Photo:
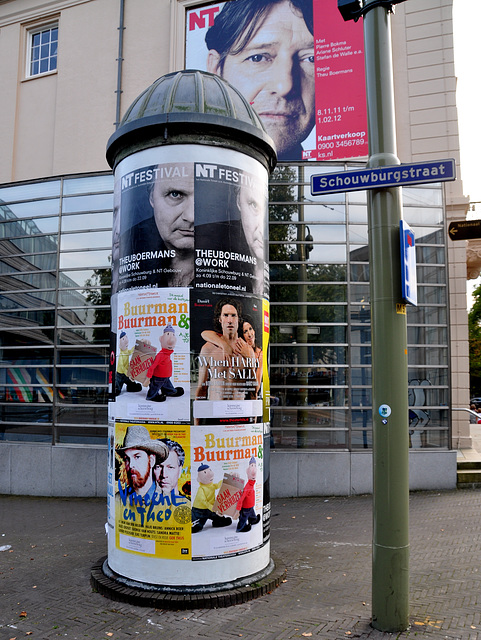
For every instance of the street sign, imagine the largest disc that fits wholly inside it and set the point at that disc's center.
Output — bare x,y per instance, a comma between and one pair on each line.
400,175
408,264
464,229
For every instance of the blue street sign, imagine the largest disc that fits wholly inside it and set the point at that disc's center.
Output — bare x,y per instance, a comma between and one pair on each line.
393,176
408,265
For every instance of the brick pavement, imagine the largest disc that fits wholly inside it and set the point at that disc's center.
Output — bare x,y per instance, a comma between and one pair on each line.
325,543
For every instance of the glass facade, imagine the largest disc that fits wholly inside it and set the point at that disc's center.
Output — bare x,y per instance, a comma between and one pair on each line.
55,237
320,358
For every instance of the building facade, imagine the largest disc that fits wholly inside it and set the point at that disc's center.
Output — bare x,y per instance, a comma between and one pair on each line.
69,71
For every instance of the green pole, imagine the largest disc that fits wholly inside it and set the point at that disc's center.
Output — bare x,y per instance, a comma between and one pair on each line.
390,561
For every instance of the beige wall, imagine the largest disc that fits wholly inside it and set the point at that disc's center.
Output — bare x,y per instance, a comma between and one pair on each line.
147,46
60,121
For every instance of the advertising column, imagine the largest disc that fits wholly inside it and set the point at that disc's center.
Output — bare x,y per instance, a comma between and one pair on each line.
188,485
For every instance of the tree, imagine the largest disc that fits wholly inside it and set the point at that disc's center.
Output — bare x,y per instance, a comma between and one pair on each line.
99,297
474,328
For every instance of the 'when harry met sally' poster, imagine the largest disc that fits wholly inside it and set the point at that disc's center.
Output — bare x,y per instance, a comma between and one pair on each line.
228,343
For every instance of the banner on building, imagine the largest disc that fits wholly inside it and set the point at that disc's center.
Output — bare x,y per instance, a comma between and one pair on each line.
299,65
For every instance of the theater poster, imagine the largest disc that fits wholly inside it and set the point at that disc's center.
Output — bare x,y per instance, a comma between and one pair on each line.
153,234
229,350
301,70
152,376
227,490
152,475
231,226
201,223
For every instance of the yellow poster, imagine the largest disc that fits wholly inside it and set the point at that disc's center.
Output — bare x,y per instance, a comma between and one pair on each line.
152,490
265,360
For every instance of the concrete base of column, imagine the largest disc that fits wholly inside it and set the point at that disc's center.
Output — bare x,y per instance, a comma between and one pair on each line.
121,589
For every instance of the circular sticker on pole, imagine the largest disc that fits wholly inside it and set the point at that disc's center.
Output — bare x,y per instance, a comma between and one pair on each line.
384,411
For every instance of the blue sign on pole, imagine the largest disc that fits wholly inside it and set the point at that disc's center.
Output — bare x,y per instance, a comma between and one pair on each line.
381,177
408,265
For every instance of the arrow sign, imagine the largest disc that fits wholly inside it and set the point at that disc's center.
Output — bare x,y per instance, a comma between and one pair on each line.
381,177
464,229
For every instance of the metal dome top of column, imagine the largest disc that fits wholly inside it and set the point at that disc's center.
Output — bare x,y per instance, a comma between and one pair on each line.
191,107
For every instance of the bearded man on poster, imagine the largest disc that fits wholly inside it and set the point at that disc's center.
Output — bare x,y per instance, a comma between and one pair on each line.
140,453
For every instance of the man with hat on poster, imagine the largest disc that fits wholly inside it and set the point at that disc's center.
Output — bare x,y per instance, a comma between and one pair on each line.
139,453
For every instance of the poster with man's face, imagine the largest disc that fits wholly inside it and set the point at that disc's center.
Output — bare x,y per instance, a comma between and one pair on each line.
150,479
229,347
199,223
298,64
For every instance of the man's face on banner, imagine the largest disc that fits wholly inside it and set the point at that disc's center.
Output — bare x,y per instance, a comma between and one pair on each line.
275,73
172,199
252,207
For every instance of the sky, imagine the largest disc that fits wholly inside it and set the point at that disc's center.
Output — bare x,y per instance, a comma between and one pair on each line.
467,54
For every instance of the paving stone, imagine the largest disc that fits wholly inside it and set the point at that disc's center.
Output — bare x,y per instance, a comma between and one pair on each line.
324,543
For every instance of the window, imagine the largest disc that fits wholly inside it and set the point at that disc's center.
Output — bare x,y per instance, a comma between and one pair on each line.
42,50
55,323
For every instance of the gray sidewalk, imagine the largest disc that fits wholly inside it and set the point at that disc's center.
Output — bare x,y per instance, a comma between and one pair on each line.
324,542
